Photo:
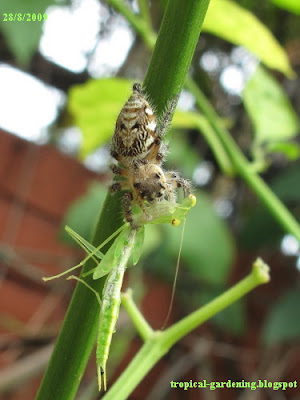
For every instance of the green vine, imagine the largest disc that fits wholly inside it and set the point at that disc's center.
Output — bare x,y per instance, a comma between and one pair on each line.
77,336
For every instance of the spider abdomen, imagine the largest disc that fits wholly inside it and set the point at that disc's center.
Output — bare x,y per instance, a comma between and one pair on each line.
135,130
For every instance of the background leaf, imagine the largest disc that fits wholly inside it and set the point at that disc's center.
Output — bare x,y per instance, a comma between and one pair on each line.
233,23
270,111
95,106
259,228
290,150
290,5
283,321
207,246
177,158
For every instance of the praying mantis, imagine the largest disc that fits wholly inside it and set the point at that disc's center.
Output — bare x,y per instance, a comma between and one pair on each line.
128,242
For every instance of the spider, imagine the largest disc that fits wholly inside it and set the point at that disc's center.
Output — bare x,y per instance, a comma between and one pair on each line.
138,148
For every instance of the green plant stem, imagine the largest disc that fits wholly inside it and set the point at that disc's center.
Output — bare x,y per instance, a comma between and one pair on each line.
77,335
175,45
243,167
258,275
159,342
214,143
144,11
141,325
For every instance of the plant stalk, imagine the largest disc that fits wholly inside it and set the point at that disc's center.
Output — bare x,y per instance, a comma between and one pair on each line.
77,336
159,342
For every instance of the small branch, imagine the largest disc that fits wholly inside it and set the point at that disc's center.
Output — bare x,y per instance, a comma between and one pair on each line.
258,275
138,320
214,143
159,342
144,11
243,167
138,23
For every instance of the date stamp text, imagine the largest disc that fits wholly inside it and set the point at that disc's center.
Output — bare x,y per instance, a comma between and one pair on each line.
23,17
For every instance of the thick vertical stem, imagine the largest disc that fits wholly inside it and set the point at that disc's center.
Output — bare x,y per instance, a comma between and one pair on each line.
165,77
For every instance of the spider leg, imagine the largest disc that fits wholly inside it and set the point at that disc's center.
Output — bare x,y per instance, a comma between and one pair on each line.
118,186
142,206
154,153
117,170
127,209
185,185
114,154
115,187
175,181
157,151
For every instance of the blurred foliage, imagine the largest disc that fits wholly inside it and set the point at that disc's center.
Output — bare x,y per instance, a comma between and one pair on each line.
22,37
283,322
94,107
273,118
233,23
177,156
260,229
290,5
208,248
290,150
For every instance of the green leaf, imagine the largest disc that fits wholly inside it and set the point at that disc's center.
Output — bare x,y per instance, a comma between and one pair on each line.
286,185
290,5
233,23
289,149
270,111
95,106
185,119
260,229
207,247
22,37
283,321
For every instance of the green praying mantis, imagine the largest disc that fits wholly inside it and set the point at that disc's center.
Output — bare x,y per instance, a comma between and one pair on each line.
128,242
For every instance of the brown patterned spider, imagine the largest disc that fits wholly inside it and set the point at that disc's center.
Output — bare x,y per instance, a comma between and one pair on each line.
137,146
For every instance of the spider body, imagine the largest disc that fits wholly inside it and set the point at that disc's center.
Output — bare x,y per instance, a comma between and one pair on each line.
135,131
139,151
